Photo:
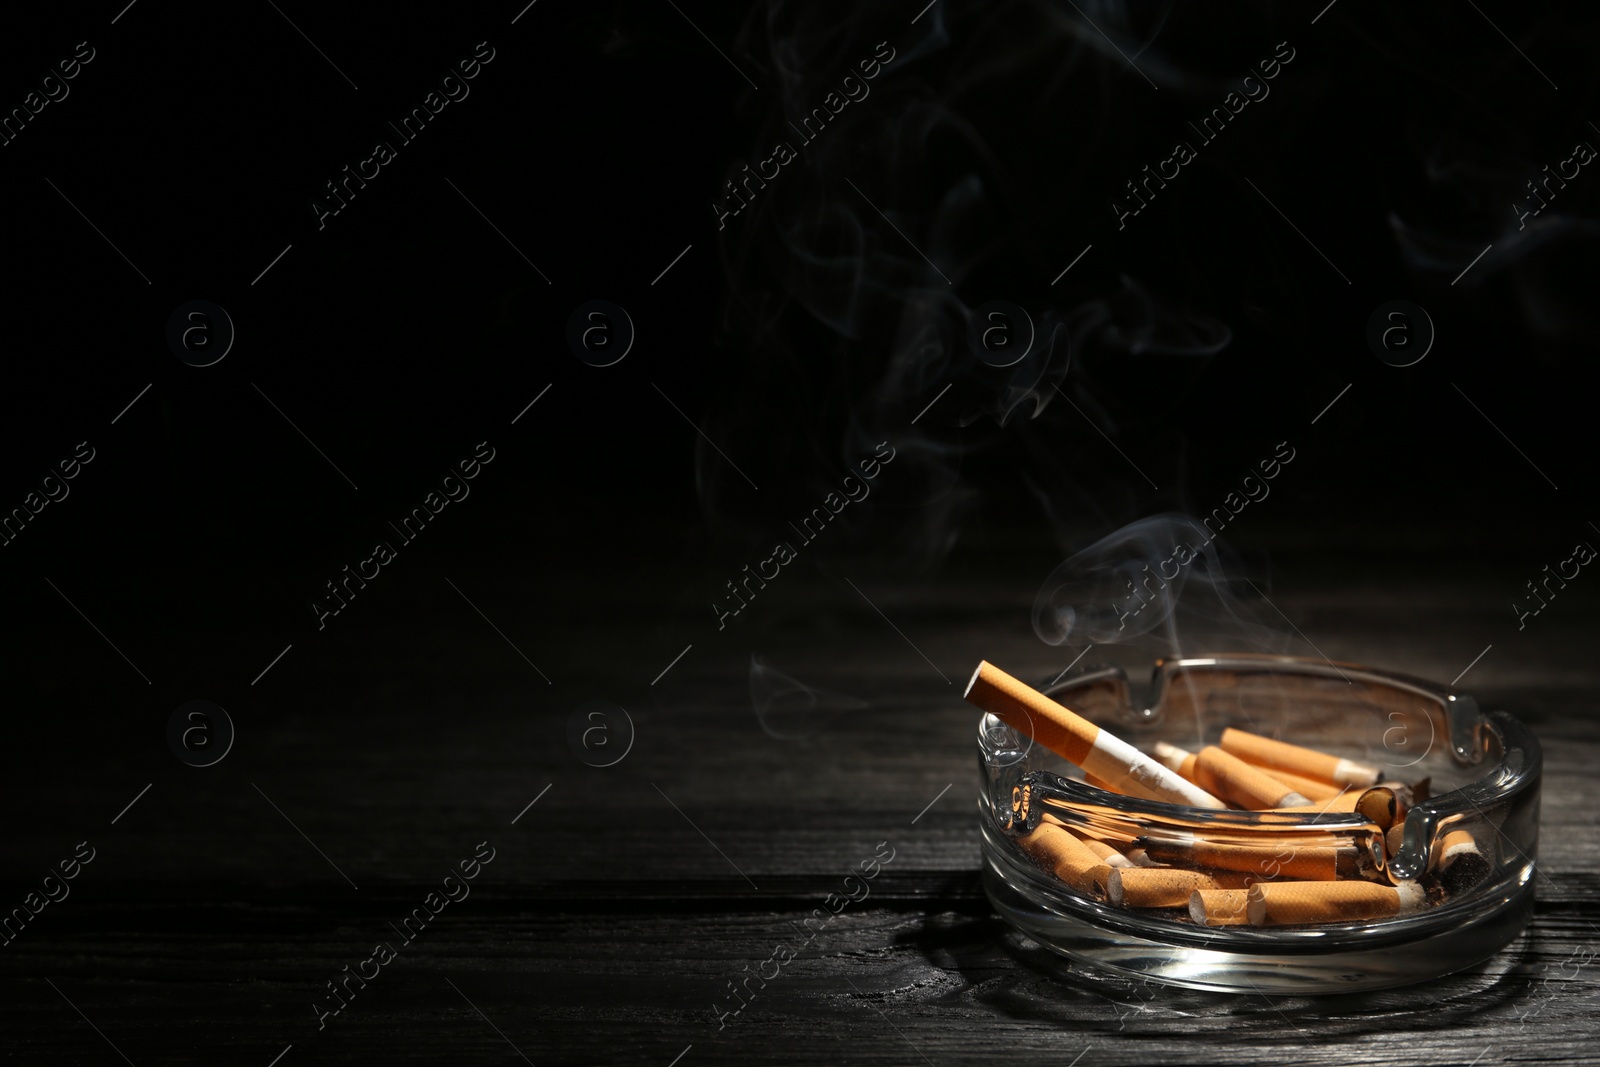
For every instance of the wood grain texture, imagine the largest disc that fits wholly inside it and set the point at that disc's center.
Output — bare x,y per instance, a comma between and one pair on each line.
619,907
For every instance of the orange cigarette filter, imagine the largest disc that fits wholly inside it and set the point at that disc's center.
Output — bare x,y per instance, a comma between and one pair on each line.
1167,887
1379,805
1108,836
1080,741
1236,781
1298,903
1265,752
1310,788
1220,907
1108,855
1117,838
1186,764
1346,802
1068,858
1287,860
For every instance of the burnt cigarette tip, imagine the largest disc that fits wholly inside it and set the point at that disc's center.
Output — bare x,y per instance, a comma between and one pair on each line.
1462,863
974,679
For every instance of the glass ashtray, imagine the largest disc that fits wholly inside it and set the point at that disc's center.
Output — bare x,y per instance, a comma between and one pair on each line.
1482,771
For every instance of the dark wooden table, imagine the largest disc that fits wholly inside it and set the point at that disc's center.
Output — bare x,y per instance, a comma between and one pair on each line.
618,907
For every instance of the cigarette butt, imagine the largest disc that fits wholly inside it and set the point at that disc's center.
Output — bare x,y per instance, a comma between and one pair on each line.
1405,797
1068,858
1394,839
1461,863
1294,903
1166,887
1236,781
1308,762
1080,741
1343,802
1286,860
1219,907
1379,805
1117,837
1310,788
1108,855
1175,759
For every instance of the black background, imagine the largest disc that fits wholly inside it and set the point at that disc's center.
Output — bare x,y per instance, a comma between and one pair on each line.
407,330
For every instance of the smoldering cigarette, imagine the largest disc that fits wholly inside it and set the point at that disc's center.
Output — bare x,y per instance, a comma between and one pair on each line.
1285,860
1219,907
1080,741
1231,778
1265,752
1298,903
1167,887
1068,858
1462,863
